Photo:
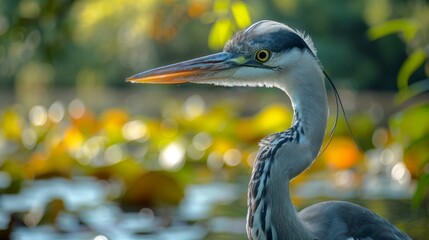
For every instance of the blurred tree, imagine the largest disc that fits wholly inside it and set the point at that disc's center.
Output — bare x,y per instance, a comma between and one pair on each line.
409,126
34,37
92,43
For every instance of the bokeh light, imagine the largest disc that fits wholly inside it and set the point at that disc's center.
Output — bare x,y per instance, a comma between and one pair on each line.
68,117
56,112
387,157
38,115
76,108
194,153
380,137
91,149
134,130
101,237
172,157
345,178
251,158
232,157
215,161
400,173
194,106
202,141
29,138
114,154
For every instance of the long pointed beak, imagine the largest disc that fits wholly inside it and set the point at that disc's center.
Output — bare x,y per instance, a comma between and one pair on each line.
202,68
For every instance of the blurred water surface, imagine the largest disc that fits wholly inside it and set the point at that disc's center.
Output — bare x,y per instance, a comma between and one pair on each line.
208,211
85,168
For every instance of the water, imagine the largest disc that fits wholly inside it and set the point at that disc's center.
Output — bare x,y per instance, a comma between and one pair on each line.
79,209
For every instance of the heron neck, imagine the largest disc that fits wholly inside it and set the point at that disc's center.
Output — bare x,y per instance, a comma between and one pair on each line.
284,215
305,86
306,89
311,114
284,155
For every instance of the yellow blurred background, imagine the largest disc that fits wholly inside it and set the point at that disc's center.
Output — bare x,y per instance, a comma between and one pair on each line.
82,151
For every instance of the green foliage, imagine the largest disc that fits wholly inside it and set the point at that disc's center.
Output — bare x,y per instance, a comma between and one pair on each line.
413,30
230,17
415,60
412,91
89,44
66,40
410,126
406,27
422,193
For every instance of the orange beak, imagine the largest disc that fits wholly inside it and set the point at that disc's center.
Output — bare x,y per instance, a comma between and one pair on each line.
198,69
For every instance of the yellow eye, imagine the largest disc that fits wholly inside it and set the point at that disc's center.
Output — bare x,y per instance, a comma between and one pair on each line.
263,55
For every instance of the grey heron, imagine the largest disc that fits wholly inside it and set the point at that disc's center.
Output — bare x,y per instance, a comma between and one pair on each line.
271,54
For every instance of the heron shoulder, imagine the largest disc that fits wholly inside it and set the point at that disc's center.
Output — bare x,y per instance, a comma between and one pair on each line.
344,220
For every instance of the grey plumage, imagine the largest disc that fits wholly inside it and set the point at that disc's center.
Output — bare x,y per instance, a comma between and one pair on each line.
349,220
277,40
288,62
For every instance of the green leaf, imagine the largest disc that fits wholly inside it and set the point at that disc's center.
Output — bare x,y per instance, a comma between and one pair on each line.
407,27
422,191
411,91
411,64
409,126
220,33
241,14
221,6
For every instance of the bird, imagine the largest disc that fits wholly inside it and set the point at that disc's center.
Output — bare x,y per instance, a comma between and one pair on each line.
272,54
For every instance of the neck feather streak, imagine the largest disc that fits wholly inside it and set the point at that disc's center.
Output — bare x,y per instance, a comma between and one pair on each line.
284,155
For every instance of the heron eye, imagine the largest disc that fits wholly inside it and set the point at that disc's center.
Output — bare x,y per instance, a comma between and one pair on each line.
263,55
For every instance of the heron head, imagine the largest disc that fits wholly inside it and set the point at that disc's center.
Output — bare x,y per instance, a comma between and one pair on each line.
255,56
